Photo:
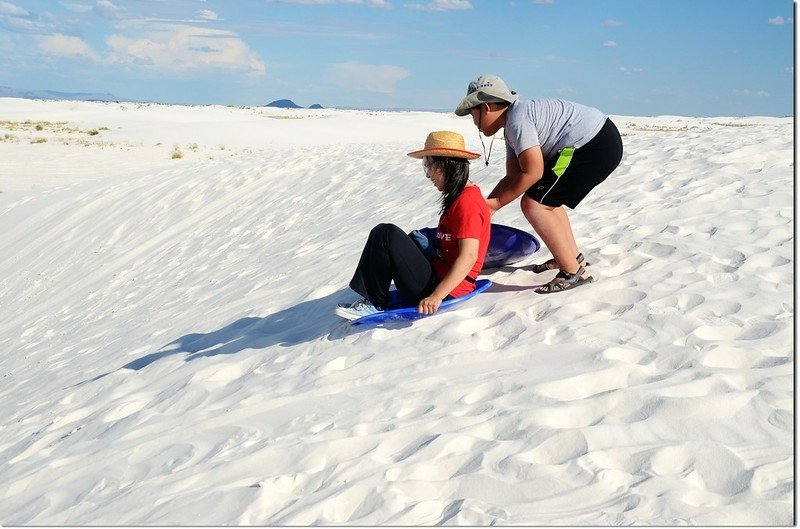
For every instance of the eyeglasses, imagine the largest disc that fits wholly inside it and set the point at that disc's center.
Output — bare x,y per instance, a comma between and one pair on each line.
428,164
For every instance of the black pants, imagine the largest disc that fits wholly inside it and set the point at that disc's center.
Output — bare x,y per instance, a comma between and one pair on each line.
590,165
390,255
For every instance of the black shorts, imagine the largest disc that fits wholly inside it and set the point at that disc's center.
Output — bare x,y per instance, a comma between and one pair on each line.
566,181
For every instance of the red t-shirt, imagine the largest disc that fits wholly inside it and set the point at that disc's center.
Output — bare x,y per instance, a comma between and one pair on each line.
467,218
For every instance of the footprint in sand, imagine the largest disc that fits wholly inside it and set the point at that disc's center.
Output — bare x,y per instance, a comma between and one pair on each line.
440,469
371,428
623,265
783,419
352,504
758,330
718,329
564,446
763,259
577,414
407,413
729,357
587,384
716,309
714,467
492,331
481,392
337,364
220,373
126,409
632,409
629,355
731,258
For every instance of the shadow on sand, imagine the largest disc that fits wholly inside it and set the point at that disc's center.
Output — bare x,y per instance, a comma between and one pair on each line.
301,323
304,322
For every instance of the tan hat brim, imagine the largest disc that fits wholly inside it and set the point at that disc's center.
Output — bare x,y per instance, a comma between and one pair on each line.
445,152
476,98
467,104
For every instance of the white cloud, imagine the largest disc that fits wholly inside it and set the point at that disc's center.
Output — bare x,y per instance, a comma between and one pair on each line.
780,21
353,76
610,44
750,93
66,46
207,14
544,2
371,3
441,5
173,47
78,8
627,70
19,20
108,9
306,2
611,23
7,8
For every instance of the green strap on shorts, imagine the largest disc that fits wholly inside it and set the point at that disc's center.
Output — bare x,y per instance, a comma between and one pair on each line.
564,158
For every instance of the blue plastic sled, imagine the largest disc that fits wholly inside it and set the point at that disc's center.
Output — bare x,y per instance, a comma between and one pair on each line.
399,310
506,246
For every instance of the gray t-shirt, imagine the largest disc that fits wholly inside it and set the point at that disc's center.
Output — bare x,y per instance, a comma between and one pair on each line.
551,123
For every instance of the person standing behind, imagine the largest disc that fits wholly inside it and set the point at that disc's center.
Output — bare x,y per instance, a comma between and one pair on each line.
557,151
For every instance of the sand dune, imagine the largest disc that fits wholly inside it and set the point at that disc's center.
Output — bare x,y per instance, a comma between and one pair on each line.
170,354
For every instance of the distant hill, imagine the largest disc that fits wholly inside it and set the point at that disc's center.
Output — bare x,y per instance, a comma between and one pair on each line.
7,91
288,103
283,103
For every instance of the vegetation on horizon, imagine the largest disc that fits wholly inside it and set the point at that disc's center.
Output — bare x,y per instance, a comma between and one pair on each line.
15,131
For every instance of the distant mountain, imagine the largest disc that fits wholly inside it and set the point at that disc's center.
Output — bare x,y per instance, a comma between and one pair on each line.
7,91
283,103
288,103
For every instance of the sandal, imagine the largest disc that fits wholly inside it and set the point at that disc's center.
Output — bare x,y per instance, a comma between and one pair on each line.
552,264
564,281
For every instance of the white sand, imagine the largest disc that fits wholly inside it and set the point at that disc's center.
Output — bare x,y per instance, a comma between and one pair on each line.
169,354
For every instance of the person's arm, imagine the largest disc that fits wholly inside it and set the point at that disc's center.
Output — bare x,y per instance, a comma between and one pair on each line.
521,173
467,255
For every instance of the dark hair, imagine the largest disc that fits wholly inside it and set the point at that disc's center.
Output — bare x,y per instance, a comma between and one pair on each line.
456,176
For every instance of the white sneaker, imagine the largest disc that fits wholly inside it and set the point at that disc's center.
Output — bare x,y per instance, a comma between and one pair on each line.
356,310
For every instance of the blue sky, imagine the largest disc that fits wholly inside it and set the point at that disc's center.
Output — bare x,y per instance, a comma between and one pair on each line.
626,57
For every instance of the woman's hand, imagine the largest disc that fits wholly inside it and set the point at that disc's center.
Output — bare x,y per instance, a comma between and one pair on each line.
467,255
429,305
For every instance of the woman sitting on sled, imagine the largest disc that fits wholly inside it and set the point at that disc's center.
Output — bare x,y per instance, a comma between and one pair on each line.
426,277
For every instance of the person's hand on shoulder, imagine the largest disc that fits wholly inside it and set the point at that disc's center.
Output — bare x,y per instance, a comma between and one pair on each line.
493,204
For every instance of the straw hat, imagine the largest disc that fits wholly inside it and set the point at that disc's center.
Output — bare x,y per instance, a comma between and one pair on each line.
445,143
485,89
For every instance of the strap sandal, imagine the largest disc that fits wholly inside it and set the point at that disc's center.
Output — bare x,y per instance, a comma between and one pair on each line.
564,281
552,264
